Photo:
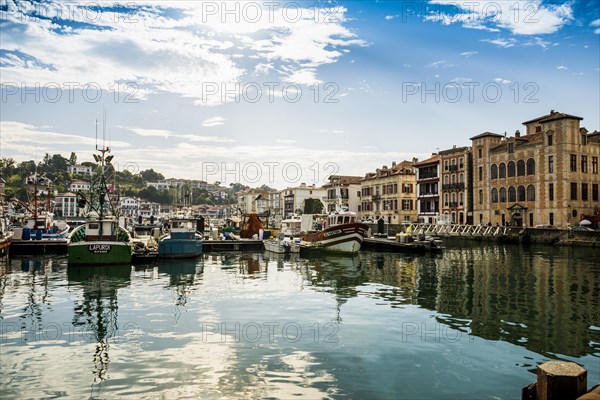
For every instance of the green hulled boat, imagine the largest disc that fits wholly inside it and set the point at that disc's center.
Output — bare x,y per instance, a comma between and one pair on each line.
100,241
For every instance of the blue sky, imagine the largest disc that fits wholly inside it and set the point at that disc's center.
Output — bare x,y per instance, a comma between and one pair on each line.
283,93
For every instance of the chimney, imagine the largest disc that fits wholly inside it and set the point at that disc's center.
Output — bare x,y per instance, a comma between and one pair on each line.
393,164
518,133
454,146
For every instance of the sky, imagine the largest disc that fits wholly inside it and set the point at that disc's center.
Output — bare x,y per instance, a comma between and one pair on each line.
283,93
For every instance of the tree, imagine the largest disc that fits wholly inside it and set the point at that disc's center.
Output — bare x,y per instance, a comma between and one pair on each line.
73,158
313,206
266,188
7,167
150,175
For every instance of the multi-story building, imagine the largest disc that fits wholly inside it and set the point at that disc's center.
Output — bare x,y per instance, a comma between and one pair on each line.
456,205
549,176
390,193
428,193
253,200
129,207
342,192
79,169
294,198
78,185
160,185
148,209
66,206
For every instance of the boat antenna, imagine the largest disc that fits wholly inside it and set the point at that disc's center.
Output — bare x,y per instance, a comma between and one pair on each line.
96,134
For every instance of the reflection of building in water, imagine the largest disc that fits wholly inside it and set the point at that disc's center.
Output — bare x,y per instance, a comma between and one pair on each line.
97,314
498,288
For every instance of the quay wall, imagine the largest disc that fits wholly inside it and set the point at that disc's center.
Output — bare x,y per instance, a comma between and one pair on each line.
552,236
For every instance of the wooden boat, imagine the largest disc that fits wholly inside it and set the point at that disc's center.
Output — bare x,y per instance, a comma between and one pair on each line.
340,233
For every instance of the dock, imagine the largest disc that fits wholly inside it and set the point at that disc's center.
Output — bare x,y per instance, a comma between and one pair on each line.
43,246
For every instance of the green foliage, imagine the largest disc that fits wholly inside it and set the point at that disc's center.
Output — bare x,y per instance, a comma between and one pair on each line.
313,206
150,175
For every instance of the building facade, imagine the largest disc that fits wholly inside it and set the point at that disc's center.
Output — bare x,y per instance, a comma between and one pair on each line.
342,192
253,200
428,193
456,203
79,169
78,185
66,206
295,197
549,176
390,193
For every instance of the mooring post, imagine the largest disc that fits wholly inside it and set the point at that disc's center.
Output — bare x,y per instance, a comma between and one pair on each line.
560,380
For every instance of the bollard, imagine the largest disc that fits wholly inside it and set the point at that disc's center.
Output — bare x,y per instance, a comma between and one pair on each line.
560,380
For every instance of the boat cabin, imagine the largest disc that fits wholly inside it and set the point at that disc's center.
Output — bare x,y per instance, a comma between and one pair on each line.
182,225
105,229
341,218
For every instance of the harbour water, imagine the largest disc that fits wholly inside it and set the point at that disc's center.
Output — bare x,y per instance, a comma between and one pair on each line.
471,323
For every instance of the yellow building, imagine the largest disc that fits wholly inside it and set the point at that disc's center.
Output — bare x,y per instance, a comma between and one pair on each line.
390,193
549,176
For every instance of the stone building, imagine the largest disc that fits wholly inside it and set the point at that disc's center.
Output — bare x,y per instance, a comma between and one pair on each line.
428,193
294,198
390,193
549,176
456,203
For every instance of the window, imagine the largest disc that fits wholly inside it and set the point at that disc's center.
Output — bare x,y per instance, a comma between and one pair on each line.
521,193
530,219
511,169
573,163
494,195
480,173
453,179
480,152
573,190
538,129
512,194
584,191
584,139
446,165
530,193
461,199
594,192
481,196
446,179
502,170
446,200
530,166
583,163
549,140
520,168
407,205
502,195
461,163
550,164
494,171
551,191
461,178
511,147
595,165
551,219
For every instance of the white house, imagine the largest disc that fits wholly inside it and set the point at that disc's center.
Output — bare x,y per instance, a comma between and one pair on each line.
79,169
129,206
66,205
78,185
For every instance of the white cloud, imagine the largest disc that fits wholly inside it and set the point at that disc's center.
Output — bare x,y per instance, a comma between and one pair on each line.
561,67
502,80
439,64
595,22
213,121
501,42
391,17
167,134
286,141
172,47
520,17
468,53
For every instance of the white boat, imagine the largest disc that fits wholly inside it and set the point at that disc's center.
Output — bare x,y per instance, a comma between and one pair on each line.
282,245
340,233
292,226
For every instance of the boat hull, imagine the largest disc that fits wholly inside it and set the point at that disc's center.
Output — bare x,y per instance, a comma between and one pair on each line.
179,248
345,238
99,253
276,246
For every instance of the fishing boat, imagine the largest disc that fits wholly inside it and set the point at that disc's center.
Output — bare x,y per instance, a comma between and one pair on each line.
339,233
182,239
100,240
282,245
5,232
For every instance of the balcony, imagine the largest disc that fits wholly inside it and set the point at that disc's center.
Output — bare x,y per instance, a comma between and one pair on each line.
453,204
376,197
428,176
453,186
428,194
453,168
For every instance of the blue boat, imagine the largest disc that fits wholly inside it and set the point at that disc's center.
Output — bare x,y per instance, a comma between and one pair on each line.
182,239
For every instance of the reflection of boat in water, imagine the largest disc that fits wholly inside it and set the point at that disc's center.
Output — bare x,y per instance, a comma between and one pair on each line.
180,267
96,316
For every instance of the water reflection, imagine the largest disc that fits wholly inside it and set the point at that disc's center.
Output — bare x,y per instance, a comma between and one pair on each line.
96,315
